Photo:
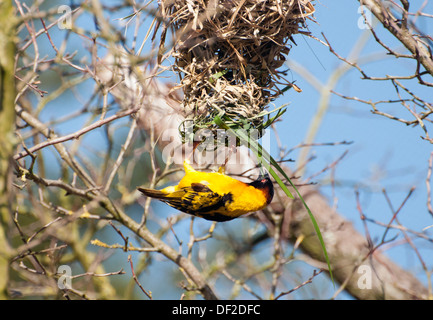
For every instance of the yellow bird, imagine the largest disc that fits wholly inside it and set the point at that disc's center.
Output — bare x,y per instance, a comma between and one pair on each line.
214,195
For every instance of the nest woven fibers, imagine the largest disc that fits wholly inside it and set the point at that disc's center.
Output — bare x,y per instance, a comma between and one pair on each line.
228,53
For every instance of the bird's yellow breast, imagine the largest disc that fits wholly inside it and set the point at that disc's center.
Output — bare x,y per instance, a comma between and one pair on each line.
245,197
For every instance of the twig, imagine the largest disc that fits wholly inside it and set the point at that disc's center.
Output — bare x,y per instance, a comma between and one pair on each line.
64,153
119,159
92,274
77,134
315,273
241,283
148,294
427,182
193,239
395,212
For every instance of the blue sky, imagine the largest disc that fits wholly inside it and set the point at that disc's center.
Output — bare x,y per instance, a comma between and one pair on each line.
385,154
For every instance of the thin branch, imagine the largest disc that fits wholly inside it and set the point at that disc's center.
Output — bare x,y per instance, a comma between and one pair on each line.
77,134
148,294
310,280
428,186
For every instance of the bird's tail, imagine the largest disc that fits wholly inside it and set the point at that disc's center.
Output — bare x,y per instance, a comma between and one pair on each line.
157,194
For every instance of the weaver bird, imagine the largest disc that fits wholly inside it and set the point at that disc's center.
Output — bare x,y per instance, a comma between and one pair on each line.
214,195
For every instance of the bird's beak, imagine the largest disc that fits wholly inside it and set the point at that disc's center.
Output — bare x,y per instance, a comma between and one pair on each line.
263,172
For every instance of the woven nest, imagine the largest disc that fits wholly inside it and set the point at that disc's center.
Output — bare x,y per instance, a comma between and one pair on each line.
228,54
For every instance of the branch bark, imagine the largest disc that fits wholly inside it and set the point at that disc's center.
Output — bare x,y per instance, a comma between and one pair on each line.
400,30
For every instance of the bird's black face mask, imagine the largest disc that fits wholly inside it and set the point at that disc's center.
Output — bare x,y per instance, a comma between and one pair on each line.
263,182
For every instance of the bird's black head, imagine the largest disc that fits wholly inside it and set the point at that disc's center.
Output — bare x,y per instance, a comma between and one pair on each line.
264,183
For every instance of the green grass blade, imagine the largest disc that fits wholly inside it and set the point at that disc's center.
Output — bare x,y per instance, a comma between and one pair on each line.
267,160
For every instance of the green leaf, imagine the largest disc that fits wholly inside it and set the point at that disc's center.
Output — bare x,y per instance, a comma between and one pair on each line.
217,75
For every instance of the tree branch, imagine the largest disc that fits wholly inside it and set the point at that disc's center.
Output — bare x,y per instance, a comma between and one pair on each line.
401,32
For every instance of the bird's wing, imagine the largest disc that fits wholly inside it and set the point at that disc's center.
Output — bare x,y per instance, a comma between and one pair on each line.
199,200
